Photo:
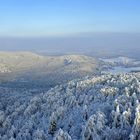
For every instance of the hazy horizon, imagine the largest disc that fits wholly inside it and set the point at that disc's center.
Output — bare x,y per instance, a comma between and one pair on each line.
85,43
57,27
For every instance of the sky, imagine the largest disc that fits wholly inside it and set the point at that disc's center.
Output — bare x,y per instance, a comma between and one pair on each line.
28,18
69,25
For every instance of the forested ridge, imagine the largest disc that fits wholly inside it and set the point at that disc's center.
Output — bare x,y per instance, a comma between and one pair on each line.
97,107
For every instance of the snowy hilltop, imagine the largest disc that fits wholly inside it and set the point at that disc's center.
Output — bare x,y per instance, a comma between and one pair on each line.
27,68
92,108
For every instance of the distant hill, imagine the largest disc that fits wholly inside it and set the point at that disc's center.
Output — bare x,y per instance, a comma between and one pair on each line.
16,61
27,66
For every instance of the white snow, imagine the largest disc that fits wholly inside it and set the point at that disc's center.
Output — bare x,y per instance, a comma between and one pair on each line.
120,69
96,107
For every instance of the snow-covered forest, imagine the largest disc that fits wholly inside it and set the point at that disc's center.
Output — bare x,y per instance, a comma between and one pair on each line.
92,108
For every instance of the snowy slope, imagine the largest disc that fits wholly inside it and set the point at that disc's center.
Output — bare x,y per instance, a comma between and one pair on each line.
100,107
121,61
29,68
20,61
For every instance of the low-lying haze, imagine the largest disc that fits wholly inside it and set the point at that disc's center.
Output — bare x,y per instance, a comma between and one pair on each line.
97,44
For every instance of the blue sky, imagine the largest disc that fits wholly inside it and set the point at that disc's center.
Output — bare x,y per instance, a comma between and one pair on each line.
42,18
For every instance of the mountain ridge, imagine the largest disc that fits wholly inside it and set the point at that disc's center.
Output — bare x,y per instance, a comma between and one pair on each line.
31,67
